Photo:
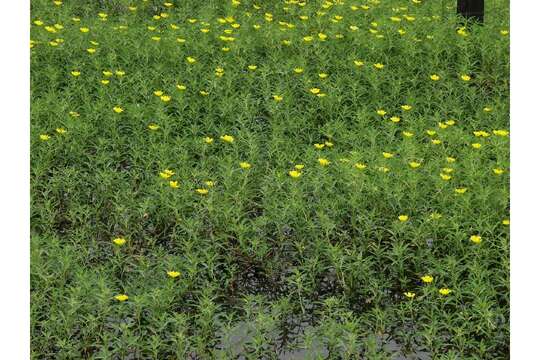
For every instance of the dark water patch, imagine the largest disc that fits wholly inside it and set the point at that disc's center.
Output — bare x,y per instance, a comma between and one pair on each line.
238,341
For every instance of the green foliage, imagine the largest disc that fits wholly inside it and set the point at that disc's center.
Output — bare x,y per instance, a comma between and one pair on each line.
270,265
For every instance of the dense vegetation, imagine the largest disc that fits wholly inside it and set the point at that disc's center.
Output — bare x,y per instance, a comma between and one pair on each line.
269,179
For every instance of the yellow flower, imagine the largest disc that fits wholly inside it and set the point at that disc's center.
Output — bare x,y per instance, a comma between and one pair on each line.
91,50
76,73
381,112
476,145
406,107
506,222
121,297
117,109
460,190
487,109
435,216
465,77
378,66
443,125
227,138
74,114
119,241
395,119
165,174
153,126
173,274
501,132
278,98
328,144
204,93
447,170
409,294
323,162
299,166
427,279
360,166
481,133
202,191
208,140
158,93
318,146
107,73
387,155
191,60
245,165
181,87
209,183
61,131
252,67
308,38
414,164
407,133
444,291
358,63
384,169
298,70
450,159
436,142
219,72
295,174
174,184
156,38
403,218
315,91
435,77
165,98
181,40
431,132
38,22
44,137
504,32
105,82
498,171
323,75
445,177
477,239
119,73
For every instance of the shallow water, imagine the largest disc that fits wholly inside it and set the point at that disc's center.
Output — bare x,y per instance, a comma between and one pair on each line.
236,342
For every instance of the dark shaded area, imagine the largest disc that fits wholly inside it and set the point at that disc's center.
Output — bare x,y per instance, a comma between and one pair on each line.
471,9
